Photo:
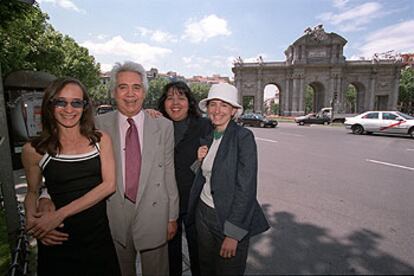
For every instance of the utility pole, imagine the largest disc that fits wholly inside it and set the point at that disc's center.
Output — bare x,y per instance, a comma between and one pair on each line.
8,191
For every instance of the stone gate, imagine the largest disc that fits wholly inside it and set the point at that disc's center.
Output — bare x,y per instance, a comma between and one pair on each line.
316,59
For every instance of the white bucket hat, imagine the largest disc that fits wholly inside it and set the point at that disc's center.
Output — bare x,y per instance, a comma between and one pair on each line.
224,92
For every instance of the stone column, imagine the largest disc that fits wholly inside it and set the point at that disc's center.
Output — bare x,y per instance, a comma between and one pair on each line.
296,93
303,54
393,99
301,108
258,104
285,95
341,95
237,83
371,93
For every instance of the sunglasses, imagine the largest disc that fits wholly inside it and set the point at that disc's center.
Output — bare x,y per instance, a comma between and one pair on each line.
59,103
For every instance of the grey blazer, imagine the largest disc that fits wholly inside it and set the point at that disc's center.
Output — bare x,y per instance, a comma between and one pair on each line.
157,199
233,185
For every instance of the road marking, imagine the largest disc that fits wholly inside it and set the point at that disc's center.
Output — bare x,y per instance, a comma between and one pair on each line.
266,140
390,164
410,149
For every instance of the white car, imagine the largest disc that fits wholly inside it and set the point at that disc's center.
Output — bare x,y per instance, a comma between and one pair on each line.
381,121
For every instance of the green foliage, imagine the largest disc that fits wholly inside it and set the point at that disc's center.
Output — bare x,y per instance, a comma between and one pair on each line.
406,95
19,35
309,98
248,104
200,90
100,94
350,99
274,108
154,92
29,42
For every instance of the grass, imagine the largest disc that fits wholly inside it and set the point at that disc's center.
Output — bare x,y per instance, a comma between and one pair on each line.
4,245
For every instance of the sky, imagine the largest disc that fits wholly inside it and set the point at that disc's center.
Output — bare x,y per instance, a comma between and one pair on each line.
194,37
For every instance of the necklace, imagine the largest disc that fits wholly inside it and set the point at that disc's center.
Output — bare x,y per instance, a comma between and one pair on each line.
217,134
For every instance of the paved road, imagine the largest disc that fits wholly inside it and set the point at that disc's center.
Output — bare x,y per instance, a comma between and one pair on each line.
338,203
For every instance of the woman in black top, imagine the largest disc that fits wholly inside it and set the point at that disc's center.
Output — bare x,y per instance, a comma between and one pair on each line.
77,163
178,104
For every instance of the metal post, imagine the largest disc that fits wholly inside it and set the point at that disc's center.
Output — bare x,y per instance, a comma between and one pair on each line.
6,175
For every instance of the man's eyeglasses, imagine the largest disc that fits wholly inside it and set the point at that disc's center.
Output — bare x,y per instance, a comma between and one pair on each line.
59,103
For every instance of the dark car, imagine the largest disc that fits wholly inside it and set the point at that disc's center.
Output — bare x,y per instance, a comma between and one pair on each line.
256,120
104,108
313,119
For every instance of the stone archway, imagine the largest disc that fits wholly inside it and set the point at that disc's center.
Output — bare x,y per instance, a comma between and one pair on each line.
318,95
360,96
271,104
317,58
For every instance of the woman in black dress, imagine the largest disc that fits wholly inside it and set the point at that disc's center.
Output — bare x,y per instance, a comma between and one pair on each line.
78,167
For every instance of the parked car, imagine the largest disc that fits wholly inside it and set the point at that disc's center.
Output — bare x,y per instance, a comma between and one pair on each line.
256,120
381,121
104,108
313,118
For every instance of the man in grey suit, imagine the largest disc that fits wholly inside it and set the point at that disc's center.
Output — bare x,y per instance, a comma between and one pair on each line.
144,223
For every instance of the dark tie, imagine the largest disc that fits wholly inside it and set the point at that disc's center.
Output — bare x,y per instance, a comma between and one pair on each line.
132,161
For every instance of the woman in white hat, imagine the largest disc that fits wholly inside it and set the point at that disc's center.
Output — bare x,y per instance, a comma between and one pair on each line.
223,202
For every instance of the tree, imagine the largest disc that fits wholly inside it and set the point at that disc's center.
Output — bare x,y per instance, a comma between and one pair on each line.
19,34
274,108
350,99
406,95
29,42
248,104
309,98
155,91
79,64
200,90
100,94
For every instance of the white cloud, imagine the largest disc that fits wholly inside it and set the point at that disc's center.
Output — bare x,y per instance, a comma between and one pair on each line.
143,31
208,66
398,37
106,67
66,4
340,3
162,37
118,49
208,27
354,19
156,35
101,36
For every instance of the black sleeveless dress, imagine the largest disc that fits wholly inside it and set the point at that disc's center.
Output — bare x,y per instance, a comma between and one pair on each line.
89,249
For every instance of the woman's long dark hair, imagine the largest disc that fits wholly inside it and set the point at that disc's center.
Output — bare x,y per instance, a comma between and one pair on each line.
183,89
48,141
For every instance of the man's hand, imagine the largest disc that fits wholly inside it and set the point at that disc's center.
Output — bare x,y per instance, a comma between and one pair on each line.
153,113
54,237
44,223
45,205
172,229
228,247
